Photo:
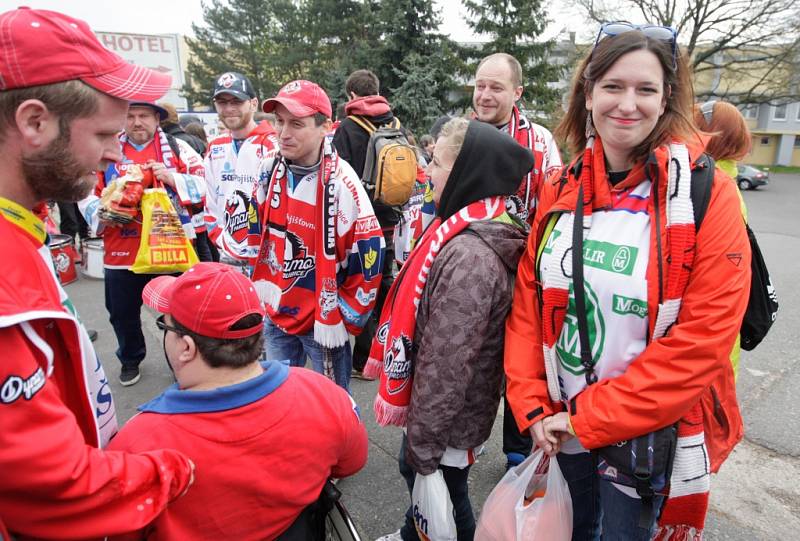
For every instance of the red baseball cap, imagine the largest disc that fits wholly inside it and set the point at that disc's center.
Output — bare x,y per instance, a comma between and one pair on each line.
301,98
206,299
39,47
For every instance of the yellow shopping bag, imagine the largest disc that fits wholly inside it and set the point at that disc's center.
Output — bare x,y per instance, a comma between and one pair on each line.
164,248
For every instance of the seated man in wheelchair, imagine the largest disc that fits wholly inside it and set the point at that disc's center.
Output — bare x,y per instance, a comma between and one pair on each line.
264,437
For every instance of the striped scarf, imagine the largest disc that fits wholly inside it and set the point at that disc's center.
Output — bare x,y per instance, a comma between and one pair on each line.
163,150
278,244
390,355
683,514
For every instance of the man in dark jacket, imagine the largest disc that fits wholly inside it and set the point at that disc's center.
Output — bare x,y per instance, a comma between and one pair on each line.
457,351
351,141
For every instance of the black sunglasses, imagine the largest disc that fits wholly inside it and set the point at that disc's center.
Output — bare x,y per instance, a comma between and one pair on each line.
162,324
662,33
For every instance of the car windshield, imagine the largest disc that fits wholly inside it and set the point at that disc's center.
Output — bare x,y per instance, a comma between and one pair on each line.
748,170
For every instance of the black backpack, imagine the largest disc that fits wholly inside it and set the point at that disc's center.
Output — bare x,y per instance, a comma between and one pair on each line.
762,307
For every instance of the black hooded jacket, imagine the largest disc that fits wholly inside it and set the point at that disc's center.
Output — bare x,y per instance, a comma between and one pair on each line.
489,163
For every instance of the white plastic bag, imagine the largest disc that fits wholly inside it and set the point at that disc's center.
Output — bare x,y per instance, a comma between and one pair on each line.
507,517
433,510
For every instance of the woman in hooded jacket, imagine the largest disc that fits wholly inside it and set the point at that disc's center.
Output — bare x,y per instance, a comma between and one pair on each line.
643,345
439,345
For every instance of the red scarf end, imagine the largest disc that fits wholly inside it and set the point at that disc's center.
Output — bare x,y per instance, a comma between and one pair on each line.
682,532
373,368
389,414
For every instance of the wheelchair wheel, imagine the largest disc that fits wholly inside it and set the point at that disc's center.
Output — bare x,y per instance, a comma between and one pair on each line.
339,526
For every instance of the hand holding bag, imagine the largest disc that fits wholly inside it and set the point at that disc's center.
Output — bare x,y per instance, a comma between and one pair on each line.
530,502
432,508
164,248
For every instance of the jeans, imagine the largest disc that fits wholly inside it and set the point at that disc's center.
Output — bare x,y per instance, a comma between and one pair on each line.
598,507
123,291
291,349
456,481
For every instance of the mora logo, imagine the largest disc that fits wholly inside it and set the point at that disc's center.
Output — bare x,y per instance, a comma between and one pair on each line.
568,346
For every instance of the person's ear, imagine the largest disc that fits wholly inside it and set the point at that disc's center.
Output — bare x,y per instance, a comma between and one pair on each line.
187,350
37,125
518,93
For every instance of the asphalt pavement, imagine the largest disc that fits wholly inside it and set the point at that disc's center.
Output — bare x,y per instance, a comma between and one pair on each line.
755,496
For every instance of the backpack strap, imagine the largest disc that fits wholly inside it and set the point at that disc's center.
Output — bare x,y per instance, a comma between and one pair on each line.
702,179
364,123
173,145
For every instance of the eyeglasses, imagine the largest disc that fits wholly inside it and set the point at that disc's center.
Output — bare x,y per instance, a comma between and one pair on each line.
662,33
162,324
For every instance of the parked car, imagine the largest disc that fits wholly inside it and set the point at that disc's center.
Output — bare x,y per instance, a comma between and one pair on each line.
750,178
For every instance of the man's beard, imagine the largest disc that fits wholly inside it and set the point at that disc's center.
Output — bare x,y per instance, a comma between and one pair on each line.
237,123
51,173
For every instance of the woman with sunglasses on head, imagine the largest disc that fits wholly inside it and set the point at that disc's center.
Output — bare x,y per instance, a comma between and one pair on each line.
639,356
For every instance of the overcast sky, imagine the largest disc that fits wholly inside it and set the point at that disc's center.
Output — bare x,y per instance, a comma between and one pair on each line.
176,16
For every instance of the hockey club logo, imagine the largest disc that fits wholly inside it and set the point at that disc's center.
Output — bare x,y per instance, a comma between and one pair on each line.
328,297
290,88
238,215
226,80
62,262
568,346
396,364
296,261
515,206
272,259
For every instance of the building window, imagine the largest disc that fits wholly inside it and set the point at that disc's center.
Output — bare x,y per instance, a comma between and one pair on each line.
765,140
779,112
750,111
797,141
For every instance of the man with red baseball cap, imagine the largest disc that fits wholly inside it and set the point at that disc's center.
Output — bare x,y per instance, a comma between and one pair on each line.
319,251
63,99
263,458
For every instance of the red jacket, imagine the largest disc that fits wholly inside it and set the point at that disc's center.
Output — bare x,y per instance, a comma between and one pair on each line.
55,481
263,448
691,363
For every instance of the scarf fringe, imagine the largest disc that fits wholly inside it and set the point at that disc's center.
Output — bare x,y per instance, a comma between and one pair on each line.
389,414
269,293
330,336
681,532
373,368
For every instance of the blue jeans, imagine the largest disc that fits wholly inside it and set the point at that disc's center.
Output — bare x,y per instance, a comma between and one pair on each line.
291,349
123,291
598,507
456,481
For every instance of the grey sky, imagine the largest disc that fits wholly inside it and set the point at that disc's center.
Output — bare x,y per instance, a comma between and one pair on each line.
176,16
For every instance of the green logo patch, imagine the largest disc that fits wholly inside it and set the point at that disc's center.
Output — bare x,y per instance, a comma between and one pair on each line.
568,346
551,241
610,257
625,305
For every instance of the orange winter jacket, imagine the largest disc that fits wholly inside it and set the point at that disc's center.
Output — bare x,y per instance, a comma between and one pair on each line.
690,363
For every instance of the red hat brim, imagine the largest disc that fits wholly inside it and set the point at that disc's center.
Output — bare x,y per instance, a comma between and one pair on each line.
132,83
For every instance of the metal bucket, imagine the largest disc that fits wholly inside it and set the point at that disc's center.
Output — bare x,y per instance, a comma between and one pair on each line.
92,258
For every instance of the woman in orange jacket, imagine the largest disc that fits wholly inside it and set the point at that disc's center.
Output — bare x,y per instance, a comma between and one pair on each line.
644,345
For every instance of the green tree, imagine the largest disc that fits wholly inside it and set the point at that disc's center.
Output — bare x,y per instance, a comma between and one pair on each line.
413,101
512,27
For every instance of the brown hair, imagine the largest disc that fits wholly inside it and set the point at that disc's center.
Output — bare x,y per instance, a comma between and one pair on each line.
196,129
362,83
513,63
172,114
229,353
676,122
730,136
68,100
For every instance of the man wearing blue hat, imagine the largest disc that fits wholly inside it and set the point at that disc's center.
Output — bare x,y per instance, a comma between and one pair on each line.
180,169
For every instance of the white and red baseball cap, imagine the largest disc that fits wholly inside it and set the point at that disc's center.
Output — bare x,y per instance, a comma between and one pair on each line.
207,299
302,99
39,47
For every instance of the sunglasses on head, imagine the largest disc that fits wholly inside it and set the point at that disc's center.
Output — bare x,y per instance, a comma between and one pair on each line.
661,33
708,111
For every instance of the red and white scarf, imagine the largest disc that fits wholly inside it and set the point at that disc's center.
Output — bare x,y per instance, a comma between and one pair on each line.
163,150
270,282
684,511
390,355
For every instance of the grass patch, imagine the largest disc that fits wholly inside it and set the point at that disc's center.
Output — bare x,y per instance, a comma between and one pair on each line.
780,169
